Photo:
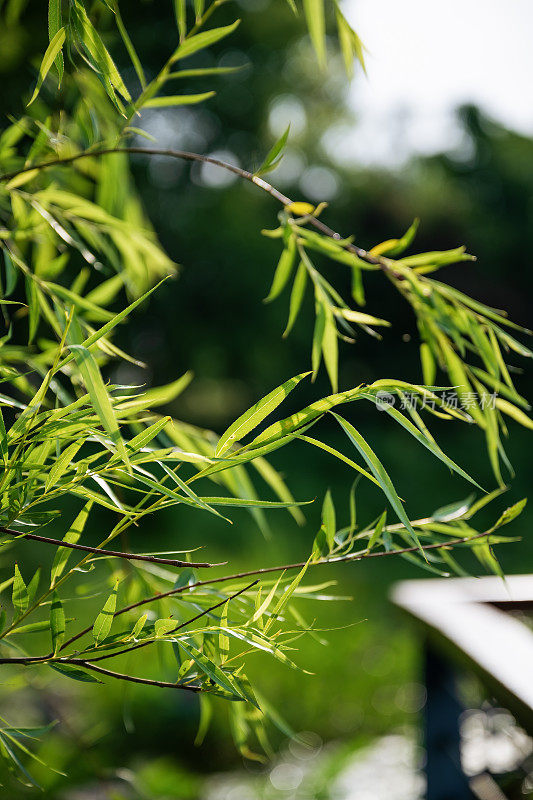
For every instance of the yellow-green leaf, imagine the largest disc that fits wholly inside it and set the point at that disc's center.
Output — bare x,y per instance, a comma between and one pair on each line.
255,415
104,620
51,53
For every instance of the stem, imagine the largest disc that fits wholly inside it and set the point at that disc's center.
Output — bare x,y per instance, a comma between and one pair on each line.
297,565
80,662
379,261
100,551
131,678
177,628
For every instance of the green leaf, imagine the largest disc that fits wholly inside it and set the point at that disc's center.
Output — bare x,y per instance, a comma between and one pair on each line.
189,492
61,464
11,274
425,440
57,622
180,11
204,71
318,335
33,585
361,319
378,530
116,320
516,413
330,349
137,628
274,155
32,296
297,296
429,367
198,9
104,620
178,100
215,673
32,627
314,14
305,416
510,514
164,626
328,519
95,386
51,53
54,26
96,50
203,40
263,607
256,414
72,535
379,472
286,596
80,303
406,240
223,639
5,748
105,292
160,395
244,502
358,291
437,258
350,43
129,45
283,269
20,597
206,712
74,673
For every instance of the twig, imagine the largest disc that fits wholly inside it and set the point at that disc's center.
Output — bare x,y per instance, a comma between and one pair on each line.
297,565
100,551
81,662
177,628
131,678
379,261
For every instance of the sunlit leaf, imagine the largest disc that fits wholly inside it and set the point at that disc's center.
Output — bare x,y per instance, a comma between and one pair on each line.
255,415
57,622
104,620
52,53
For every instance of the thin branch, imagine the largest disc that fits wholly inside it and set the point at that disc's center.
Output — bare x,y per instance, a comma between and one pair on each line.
81,662
379,261
131,678
297,565
100,551
177,628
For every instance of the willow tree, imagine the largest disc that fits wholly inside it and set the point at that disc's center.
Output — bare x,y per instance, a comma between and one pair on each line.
79,256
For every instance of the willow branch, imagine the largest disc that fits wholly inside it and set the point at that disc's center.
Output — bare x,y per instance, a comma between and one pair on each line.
81,662
379,261
284,567
116,553
131,678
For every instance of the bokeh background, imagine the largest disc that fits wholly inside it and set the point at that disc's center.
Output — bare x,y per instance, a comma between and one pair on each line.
441,128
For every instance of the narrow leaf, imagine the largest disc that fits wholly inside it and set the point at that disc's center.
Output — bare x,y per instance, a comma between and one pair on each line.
255,415
104,620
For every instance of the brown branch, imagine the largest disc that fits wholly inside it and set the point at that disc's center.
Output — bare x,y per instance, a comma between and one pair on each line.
100,551
131,678
80,662
379,261
296,565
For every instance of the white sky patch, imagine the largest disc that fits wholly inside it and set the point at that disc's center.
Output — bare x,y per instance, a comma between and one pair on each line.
425,58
